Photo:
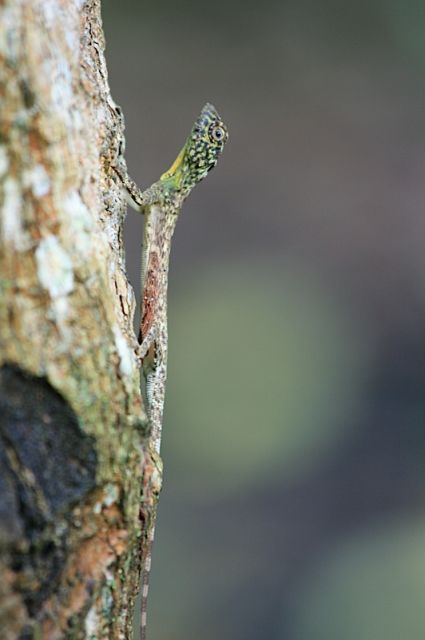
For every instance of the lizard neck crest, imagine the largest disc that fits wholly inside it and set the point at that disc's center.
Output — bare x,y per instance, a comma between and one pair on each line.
199,154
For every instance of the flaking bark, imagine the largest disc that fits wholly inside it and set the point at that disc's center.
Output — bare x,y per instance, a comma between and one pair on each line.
72,424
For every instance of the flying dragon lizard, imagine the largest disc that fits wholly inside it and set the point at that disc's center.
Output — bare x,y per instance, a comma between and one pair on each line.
161,204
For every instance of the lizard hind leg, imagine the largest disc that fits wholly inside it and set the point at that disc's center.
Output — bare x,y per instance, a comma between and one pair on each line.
147,342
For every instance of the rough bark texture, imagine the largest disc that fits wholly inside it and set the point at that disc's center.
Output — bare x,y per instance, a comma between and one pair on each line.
72,424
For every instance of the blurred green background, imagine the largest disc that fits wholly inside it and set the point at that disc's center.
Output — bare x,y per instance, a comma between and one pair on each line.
294,446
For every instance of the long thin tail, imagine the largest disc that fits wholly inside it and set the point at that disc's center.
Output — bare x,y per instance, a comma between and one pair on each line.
145,585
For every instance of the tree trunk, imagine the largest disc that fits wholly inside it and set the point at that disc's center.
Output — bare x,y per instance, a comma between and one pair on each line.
72,424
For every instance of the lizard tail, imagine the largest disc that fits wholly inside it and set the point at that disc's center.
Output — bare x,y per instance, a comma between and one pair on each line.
145,590
145,586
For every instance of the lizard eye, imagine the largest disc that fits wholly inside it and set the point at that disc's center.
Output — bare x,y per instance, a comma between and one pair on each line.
217,133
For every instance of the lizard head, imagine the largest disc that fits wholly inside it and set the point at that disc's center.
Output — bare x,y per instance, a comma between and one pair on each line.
200,153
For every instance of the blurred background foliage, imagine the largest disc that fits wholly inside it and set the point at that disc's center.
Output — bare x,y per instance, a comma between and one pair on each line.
294,429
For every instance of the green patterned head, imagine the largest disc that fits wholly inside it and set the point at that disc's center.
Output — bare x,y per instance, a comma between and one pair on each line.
200,153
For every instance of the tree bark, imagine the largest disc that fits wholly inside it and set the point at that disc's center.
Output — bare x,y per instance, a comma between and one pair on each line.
72,424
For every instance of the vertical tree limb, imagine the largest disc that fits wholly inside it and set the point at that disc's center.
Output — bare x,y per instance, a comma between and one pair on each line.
71,417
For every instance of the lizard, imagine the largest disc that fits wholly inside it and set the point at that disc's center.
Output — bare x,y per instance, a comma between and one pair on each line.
161,205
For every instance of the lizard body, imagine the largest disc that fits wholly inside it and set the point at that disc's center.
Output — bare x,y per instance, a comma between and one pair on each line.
161,204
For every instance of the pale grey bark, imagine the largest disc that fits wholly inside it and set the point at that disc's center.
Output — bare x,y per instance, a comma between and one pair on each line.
72,425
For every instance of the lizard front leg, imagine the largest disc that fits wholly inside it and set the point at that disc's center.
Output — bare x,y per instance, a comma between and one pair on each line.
137,198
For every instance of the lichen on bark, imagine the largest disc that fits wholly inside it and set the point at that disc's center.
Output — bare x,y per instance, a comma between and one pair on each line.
72,423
